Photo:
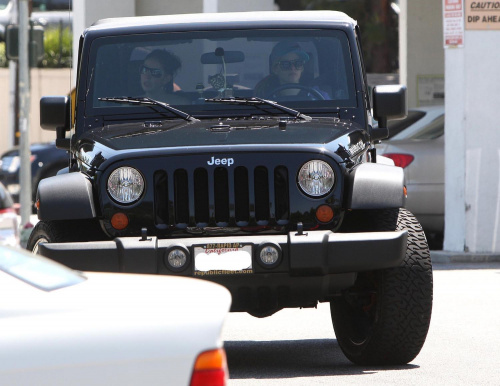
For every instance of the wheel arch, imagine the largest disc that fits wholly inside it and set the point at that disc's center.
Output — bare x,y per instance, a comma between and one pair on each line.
65,196
375,186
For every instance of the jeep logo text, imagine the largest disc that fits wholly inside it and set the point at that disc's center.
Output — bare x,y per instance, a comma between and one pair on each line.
221,161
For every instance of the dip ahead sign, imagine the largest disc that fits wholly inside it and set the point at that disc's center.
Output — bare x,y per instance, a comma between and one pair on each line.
482,15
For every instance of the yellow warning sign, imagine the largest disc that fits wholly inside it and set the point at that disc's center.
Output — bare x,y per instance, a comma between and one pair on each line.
482,15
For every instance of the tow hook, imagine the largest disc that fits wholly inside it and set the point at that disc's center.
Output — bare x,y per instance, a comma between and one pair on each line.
300,230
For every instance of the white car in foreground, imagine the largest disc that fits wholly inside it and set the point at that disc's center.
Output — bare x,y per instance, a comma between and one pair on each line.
63,327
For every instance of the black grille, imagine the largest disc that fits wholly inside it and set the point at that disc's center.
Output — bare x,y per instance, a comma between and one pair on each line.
222,197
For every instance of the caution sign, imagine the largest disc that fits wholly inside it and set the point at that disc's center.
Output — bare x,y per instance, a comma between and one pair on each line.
482,15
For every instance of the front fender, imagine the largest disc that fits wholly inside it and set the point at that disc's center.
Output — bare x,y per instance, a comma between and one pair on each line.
65,197
376,186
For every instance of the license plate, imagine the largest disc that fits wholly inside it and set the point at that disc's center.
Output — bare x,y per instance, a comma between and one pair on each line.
222,259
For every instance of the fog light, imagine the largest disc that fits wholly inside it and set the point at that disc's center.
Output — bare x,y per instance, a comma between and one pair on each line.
177,258
269,255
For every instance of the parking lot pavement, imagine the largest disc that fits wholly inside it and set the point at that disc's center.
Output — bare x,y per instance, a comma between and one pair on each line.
298,347
446,257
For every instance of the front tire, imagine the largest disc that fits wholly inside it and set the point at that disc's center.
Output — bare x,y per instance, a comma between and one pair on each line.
384,318
64,231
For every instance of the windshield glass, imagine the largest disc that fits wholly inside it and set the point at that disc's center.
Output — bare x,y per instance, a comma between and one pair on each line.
297,68
397,126
36,270
433,130
51,5
3,4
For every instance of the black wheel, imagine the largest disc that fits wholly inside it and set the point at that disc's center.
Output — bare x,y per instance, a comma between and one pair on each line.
310,92
63,232
384,318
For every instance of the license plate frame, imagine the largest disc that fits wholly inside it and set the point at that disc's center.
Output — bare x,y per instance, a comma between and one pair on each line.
233,258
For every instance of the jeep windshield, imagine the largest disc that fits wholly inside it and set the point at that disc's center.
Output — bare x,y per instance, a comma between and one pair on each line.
307,70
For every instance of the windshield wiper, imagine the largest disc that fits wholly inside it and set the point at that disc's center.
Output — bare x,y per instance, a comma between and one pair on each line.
153,102
254,101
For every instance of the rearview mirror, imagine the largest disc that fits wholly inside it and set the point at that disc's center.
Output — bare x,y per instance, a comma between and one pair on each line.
219,53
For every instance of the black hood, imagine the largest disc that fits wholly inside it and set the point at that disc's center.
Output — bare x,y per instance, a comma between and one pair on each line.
251,131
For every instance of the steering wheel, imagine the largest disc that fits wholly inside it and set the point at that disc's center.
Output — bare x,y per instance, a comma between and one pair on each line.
312,93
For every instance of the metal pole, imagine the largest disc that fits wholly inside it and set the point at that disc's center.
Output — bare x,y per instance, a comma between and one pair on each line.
11,139
24,110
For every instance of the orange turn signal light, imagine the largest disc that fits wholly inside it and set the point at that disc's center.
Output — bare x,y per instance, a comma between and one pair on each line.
210,360
119,221
405,191
324,213
210,368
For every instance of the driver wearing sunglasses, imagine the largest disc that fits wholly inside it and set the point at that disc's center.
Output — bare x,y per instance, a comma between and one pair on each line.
157,77
286,62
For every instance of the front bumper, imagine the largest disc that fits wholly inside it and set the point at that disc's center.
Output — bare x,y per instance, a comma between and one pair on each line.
312,253
314,266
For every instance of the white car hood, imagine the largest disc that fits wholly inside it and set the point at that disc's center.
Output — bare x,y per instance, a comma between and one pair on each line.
116,328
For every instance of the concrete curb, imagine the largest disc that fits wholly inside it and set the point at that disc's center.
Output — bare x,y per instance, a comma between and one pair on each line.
444,257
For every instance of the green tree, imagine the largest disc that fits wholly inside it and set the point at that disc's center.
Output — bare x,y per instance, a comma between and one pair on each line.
58,48
3,60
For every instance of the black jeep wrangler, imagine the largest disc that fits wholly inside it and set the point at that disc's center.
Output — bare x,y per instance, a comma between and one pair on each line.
238,148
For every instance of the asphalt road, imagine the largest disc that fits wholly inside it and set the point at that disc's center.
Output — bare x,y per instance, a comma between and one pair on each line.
298,347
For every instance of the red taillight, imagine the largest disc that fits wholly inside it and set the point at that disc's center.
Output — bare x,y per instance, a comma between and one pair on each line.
401,160
7,210
210,369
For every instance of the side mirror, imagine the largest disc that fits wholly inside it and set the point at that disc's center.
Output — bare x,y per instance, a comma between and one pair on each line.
389,102
55,116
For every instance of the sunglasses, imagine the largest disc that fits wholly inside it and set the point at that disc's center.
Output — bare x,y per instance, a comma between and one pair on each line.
286,65
155,72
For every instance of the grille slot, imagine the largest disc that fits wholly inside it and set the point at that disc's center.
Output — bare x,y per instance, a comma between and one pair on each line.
201,197
241,196
181,196
221,193
161,197
261,192
281,197
221,196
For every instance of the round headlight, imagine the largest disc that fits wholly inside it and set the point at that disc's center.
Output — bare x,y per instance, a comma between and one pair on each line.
316,178
125,185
